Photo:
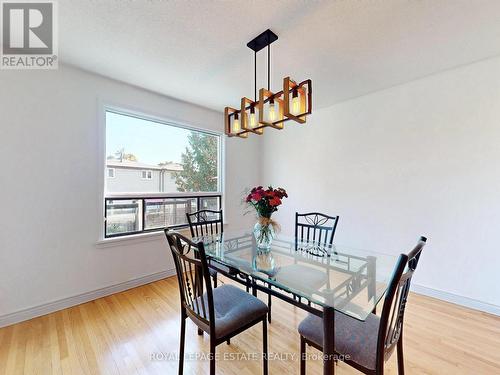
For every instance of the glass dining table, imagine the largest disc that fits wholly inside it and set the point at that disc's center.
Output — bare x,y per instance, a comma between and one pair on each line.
320,278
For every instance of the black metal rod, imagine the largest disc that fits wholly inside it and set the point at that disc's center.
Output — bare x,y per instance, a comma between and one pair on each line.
268,67
143,214
255,77
328,340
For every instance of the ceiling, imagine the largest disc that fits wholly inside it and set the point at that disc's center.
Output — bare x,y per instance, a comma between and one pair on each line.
196,50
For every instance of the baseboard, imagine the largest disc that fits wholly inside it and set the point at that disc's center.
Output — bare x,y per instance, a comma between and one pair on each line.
47,308
456,299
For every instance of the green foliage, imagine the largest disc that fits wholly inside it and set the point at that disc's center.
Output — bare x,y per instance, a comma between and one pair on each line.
199,163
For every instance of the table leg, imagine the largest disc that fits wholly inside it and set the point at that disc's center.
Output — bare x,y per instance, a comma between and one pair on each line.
198,275
254,289
328,340
371,275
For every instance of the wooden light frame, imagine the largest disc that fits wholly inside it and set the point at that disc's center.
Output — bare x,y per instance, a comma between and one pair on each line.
304,90
265,97
246,105
282,98
228,112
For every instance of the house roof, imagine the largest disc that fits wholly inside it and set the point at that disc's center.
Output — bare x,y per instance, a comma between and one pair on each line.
116,163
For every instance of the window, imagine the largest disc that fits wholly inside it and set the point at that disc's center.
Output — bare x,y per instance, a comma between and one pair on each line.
179,172
146,175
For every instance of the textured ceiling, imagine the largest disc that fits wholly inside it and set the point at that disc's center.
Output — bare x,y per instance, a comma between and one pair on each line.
196,50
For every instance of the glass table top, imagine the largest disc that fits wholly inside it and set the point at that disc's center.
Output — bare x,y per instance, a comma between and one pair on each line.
350,280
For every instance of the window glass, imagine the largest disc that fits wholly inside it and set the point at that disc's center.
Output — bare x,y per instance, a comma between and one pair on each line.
148,164
171,158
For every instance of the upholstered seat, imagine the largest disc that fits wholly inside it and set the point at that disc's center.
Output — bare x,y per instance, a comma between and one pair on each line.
353,338
234,308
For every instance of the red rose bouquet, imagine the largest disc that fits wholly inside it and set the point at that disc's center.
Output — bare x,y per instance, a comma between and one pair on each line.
265,202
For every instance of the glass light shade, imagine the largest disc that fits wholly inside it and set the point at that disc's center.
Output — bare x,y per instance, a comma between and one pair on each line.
232,120
253,119
296,105
297,98
271,114
271,109
236,125
249,116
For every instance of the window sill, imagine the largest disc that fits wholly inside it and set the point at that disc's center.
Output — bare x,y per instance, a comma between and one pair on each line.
131,239
137,238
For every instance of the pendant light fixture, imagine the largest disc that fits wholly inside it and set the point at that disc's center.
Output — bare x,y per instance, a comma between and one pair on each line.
293,102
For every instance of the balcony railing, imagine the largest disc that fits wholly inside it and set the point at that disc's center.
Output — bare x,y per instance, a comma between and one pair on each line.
127,214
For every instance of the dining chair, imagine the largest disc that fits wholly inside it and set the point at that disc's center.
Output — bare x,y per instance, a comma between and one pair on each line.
366,345
222,312
206,223
313,228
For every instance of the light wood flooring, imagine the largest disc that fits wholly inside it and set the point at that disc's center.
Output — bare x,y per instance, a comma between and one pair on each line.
137,332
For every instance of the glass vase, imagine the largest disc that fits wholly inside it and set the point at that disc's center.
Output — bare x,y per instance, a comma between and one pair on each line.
264,233
263,261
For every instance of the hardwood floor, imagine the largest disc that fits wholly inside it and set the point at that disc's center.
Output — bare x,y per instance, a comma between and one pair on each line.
137,332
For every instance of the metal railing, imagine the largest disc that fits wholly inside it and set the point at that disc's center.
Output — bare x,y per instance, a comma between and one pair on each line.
127,214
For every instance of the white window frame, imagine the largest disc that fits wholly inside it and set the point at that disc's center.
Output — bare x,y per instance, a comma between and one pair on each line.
109,170
146,174
150,115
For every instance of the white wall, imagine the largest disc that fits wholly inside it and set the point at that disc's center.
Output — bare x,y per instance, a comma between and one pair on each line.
51,184
418,159
421,158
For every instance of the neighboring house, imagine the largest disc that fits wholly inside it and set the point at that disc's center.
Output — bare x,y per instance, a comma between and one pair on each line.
125,176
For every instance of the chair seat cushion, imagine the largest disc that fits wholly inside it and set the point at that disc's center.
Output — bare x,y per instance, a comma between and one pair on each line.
352,337
234,308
